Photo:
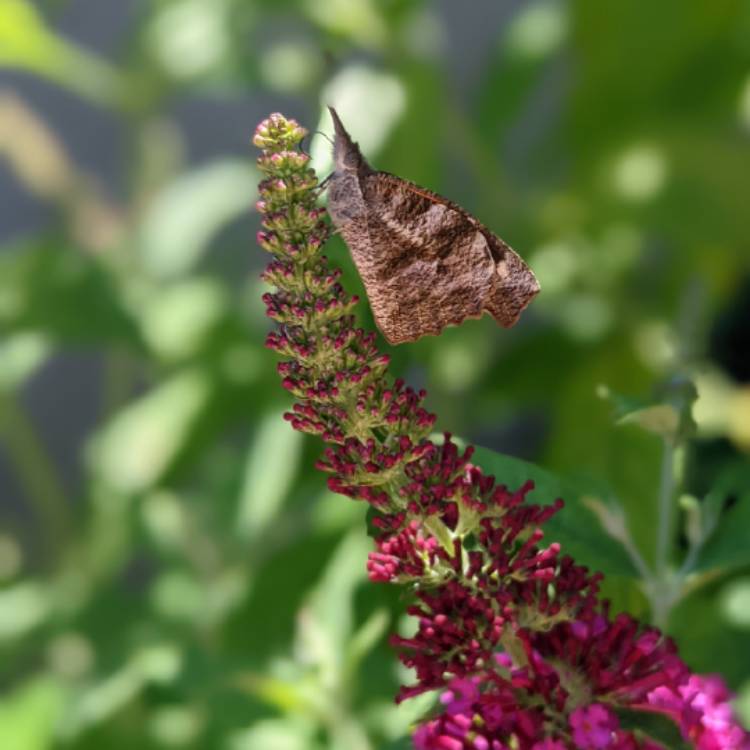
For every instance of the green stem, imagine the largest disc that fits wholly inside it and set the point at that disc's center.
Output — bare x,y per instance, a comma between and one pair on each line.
665,510
666,587
661,588
37,474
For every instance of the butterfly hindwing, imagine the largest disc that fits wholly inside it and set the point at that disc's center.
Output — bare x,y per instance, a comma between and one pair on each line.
514,284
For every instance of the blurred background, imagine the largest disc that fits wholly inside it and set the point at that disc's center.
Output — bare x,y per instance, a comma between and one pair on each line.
173,573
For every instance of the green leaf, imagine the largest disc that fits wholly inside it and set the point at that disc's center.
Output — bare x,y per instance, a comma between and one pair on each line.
99,702
24,38
134,450
728,547
20,356
280,734
27,42
23,607
576,528
358,20
63,293
187,214
178,319
708,640
662,419
28,715
397,721
272,465
404,743
366,637
189,40
655,726
328,626
667,416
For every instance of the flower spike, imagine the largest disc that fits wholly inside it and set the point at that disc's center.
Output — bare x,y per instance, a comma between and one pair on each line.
511,631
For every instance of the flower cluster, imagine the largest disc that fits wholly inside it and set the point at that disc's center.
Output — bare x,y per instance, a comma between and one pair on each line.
510,629
700,705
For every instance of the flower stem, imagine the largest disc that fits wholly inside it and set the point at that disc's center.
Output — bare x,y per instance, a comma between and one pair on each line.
667,483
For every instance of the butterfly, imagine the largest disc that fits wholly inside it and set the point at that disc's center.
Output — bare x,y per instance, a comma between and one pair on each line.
425,262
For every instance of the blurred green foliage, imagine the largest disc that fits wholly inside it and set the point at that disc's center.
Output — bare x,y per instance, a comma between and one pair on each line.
199,588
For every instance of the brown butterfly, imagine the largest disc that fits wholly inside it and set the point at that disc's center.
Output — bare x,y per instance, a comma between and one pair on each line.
425,262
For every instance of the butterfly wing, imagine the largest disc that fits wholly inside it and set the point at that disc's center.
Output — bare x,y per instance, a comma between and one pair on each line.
434,264
425,262
514,284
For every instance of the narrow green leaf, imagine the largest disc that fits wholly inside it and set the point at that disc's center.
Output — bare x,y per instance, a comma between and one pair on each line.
326,625
270,470
366,637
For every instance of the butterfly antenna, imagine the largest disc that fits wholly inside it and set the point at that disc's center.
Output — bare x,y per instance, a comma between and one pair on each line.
327,137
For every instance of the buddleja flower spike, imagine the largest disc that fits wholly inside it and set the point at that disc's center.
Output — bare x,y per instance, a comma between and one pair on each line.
509,630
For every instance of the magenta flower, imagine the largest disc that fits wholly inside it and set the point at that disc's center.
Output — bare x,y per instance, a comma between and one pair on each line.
593,727
548,744
461,695
511,631
700,705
